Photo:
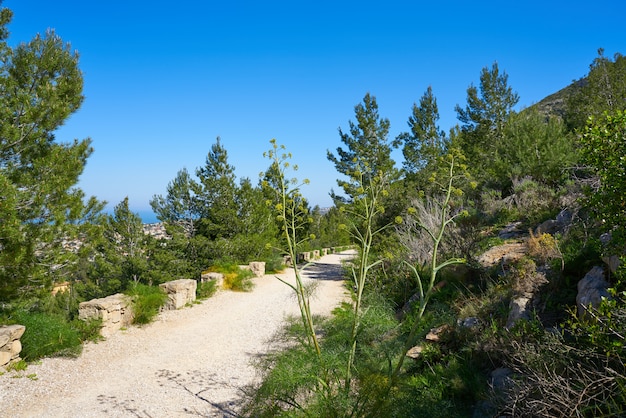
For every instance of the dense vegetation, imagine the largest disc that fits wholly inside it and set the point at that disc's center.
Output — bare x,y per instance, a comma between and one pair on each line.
419,230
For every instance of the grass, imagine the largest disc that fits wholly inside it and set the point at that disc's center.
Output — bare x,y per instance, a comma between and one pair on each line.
48,335
206,289
147,302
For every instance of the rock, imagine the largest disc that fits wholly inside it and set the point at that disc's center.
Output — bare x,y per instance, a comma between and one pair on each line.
415,352
16,347
5,358
179,293
519,308
13,331
503,254
550,226
218,277
258,268
10,345
511,231
439,334
500,378
613,262
115,311
591,289
470,322
564,219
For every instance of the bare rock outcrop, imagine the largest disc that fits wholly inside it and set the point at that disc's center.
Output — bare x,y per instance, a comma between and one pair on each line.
591,289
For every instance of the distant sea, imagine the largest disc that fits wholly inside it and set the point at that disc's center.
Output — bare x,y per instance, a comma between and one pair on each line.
147,216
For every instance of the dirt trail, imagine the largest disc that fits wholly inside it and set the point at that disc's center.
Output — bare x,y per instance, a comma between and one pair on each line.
190,362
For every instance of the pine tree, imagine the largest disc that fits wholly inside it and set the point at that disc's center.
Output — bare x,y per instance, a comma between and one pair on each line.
179,206
484,117
215,195
426,141
40,206
368,151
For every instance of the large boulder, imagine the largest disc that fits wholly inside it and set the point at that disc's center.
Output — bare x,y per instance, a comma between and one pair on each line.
591,289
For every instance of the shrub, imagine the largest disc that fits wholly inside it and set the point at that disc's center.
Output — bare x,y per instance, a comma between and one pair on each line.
147,301
274,265
47,335
206,289
240,281
235,278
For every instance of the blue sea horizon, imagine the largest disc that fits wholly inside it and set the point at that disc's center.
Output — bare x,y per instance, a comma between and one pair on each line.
147,216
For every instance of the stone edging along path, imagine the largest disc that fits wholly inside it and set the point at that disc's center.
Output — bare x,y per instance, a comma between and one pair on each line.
189,362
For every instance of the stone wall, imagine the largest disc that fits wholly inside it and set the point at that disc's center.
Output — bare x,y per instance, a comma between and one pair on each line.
10,345
115,311
179,293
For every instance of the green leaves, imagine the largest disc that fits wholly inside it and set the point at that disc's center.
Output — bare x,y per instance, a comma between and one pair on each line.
603,147
40,206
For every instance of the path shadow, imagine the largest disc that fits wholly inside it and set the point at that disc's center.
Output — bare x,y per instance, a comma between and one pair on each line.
324,271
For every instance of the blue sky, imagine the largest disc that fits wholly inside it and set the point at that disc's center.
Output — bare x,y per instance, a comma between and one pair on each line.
164,79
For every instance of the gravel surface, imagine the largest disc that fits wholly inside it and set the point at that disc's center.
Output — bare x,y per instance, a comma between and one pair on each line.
189,362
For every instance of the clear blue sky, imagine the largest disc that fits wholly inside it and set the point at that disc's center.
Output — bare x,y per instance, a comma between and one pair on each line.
164,79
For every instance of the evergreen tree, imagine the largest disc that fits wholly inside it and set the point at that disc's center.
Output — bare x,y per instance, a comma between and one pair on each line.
536,147
368,152
258,226
127,244
484,117
179,206
215,195
426,141
40,206
603,89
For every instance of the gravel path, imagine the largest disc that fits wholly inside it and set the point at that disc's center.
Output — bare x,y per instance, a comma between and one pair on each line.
189,362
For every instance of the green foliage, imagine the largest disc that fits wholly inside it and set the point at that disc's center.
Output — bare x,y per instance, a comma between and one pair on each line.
426,142
206,289
47,335
603,146
532,146
215,195
291,212
235,278
483,120
239,282
602,90
179,206
41,87
368,152
147,302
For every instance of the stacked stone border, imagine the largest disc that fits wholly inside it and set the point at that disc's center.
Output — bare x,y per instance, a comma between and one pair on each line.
10,345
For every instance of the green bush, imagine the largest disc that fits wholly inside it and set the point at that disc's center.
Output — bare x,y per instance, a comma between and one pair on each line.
147,301
206,289
274,265
47,335
235,278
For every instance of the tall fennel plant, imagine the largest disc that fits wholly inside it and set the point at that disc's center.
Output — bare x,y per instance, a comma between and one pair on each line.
452,173
364,212
292,215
